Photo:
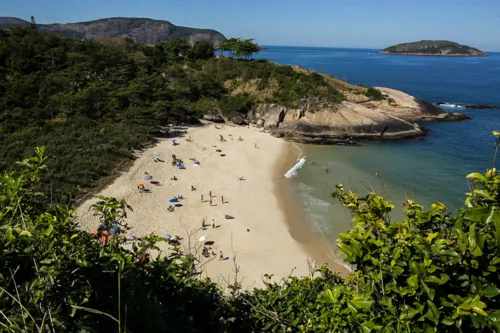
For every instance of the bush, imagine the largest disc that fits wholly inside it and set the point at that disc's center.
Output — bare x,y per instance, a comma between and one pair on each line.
374,94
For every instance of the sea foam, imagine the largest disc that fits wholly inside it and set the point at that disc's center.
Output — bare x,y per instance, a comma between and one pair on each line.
293,171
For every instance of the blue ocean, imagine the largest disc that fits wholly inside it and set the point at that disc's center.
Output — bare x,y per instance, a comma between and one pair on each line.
427,170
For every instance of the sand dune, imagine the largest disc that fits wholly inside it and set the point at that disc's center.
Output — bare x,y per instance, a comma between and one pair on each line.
258,236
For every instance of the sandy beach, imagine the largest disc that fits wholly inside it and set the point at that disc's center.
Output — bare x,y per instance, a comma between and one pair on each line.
258,237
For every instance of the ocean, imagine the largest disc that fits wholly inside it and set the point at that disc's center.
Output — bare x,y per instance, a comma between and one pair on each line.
427,170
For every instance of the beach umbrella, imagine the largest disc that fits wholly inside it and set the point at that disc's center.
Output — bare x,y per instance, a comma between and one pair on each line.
148,177
203,238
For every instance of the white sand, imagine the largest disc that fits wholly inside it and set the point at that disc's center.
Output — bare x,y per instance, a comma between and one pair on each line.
266,248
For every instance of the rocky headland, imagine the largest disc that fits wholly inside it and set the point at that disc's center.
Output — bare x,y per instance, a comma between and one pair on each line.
391,115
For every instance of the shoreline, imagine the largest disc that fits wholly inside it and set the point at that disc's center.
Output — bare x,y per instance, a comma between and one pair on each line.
257,241
319,248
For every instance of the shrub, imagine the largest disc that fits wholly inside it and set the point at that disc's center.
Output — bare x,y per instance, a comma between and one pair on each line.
374,94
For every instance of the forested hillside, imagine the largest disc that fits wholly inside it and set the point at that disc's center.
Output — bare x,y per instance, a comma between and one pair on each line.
92,103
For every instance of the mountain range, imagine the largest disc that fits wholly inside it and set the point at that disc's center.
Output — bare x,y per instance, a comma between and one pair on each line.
142,30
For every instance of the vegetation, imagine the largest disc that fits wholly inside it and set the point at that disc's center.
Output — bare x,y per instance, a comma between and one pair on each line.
79,98
374,94
431,272
238,48
433,47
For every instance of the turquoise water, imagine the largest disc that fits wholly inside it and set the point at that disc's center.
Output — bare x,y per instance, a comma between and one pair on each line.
429,169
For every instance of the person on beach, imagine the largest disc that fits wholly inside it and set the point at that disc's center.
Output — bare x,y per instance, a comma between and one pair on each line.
222,198
202,198
210,194
221,257
193,188
203,223
213,224
221,138
210,201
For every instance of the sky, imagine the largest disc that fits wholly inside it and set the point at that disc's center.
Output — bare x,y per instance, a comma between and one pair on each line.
329,23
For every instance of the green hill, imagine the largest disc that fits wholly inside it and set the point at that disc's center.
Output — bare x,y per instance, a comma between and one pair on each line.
433,48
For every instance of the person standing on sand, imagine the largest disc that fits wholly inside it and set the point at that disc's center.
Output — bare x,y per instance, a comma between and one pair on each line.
203,223
210,201
221,257
210,193
202,198
222,198
213,224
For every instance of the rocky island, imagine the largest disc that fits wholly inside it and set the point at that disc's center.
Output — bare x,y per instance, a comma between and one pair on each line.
434,48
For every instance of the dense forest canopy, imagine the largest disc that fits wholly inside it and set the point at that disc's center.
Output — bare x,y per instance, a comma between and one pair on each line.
92,103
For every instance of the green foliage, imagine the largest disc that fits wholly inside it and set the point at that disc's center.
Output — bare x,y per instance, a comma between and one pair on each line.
202,49
374,94
233,105
238,48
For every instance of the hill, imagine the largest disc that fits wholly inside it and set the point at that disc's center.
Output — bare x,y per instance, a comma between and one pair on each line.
142,30
433,48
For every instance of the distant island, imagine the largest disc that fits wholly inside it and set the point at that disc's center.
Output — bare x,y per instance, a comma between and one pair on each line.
434,48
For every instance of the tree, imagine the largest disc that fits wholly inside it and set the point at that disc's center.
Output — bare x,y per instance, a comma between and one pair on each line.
202,49
174,49
239,48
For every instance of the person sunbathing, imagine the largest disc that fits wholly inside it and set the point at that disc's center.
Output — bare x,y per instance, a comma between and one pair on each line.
170,208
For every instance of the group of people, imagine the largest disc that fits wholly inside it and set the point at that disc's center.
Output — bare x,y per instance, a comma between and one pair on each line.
104,234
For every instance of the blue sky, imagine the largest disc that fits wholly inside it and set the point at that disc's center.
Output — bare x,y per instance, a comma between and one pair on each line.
336,23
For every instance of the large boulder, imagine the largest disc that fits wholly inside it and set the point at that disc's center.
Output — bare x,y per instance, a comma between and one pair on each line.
239,120
215,118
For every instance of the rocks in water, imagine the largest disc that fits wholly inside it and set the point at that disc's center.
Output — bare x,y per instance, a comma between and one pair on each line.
215,118
482,106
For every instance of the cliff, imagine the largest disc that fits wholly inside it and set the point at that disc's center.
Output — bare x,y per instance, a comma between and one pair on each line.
433,48
142,30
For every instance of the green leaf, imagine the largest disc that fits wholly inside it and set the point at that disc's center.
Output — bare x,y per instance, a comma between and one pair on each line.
369,326
429,291
433,313
478,310
10,235
491,291
448,321
413,281
362,303
49,230
74,236
25,233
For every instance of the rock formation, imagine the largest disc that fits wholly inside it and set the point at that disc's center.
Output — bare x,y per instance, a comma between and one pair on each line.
142,30
395,117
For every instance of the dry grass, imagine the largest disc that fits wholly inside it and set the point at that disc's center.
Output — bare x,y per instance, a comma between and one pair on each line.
251,88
